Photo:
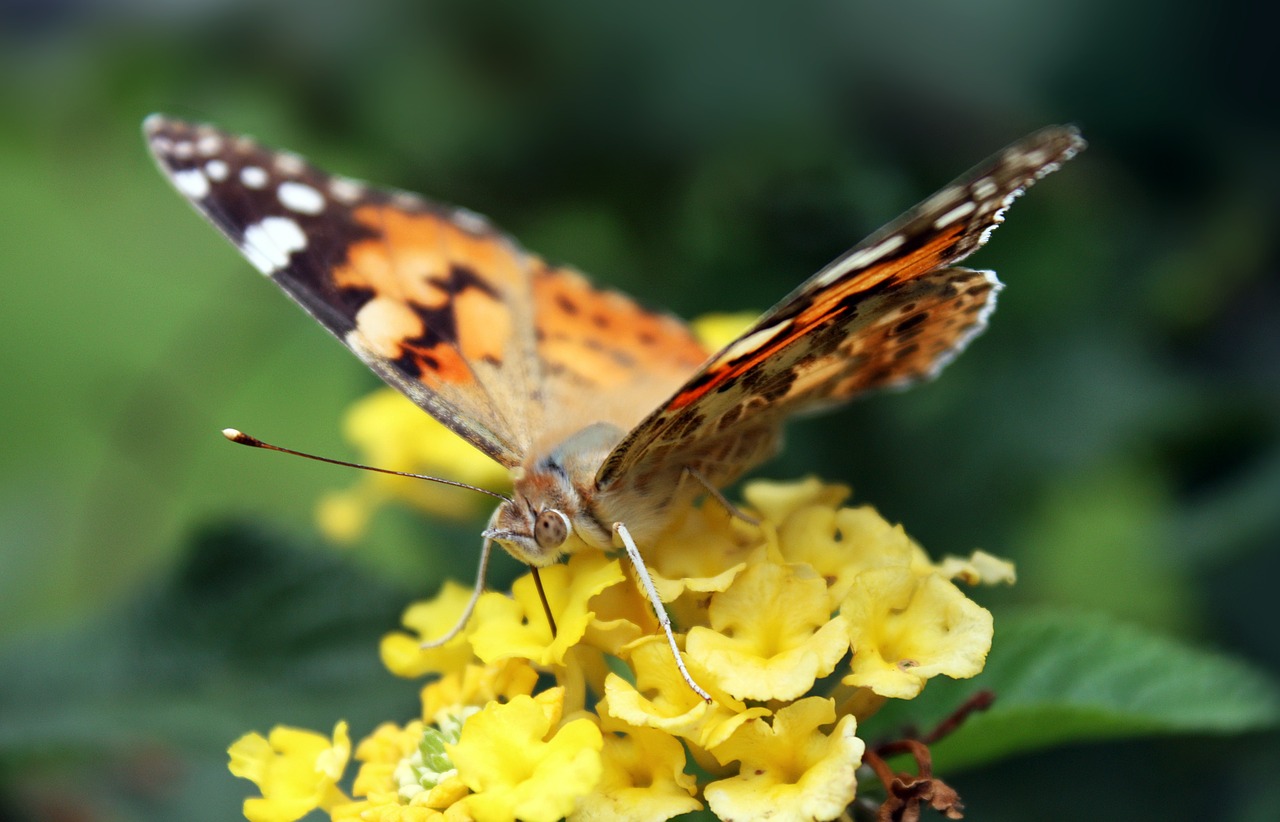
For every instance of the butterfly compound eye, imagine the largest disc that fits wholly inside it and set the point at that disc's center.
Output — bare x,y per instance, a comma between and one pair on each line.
551,529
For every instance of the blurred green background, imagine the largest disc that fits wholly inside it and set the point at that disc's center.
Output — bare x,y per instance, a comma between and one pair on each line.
1117,430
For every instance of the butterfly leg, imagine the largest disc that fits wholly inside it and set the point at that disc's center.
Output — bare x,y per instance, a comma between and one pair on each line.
542,595
471,603
734,511
633,553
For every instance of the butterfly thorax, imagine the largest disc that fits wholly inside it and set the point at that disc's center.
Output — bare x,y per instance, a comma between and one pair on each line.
553,508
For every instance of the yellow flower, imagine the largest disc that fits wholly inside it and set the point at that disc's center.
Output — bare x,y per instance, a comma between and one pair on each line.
476,686
702,552
789,770
516,626
391,432
643,778
776,500
520,766
622,614
841,542
403,653
772,634
296,770
661,699
906,628
385,809
980,568
408,767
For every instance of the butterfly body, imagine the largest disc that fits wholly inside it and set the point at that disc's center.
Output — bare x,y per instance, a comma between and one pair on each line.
610,416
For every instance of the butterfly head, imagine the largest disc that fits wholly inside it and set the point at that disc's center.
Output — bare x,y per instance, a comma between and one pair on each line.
536,536
551,511
542,520
545,520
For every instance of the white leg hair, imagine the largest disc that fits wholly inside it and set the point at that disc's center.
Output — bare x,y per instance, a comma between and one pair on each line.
471,604
659,610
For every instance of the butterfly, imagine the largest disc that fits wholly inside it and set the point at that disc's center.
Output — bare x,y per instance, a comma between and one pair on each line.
610,416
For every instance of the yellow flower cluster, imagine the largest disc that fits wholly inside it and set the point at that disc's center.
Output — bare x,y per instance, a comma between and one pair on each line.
595,722
799,627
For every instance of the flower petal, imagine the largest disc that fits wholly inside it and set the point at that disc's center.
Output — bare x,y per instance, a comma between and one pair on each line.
790,770
905,628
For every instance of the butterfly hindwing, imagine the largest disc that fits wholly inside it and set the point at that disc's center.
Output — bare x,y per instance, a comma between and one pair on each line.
891,311
603,353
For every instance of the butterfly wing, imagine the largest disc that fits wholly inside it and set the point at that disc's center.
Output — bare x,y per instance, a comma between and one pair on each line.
489,339
605,357
890,312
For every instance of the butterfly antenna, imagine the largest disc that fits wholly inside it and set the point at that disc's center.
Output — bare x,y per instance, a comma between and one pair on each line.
242,438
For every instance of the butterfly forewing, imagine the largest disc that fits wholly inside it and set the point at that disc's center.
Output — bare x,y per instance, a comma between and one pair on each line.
501,347
607,357
889,312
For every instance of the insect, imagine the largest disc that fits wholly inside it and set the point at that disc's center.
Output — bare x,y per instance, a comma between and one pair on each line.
608,415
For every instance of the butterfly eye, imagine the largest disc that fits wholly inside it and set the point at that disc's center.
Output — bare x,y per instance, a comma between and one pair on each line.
551,529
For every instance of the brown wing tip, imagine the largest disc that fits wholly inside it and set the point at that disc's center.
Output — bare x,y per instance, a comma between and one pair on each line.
1052,146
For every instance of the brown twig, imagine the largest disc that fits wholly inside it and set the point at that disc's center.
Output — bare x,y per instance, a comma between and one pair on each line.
905,793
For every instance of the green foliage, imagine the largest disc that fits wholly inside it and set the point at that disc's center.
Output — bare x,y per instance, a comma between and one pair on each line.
1062,678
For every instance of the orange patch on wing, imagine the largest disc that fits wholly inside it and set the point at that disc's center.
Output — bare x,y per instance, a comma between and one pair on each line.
922,261
413,255
604,336
442,364
484,325
416,260
919,262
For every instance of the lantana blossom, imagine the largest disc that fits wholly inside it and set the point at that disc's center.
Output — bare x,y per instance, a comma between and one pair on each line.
296,770
790,769
799,613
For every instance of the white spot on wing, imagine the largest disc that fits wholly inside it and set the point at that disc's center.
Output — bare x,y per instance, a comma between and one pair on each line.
345,189
751,342
861,259
192,183
407,200
269,243
217,170
253,177
940,200
1048,168
470,221
957,213
1034,158
289,163
300,197
209,145
984,189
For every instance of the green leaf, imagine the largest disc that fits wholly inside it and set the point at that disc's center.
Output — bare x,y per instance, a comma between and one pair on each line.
1070,677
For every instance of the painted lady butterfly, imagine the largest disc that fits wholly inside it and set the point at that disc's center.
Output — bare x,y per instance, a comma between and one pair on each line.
609,416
